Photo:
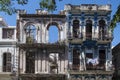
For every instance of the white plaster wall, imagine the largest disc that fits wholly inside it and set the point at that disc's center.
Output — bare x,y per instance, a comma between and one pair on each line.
12,50
0,33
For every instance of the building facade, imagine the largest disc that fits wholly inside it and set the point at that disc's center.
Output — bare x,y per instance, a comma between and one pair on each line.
82,52
8,54
116,56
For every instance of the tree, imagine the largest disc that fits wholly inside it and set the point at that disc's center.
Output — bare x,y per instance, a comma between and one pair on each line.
50,5
115,19
7,5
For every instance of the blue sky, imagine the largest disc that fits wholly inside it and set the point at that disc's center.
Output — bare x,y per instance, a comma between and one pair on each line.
34,4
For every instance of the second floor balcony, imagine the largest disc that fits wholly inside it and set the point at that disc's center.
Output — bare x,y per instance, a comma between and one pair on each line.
99,37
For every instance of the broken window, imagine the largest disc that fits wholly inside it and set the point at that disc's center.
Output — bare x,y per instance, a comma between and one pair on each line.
7,62
102,29
89,29
30,34
76,59
8,33
30,62
76,31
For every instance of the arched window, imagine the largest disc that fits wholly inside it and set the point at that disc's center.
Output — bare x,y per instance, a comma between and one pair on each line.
53,34
89,29
7,62
102,29
76,31
30,34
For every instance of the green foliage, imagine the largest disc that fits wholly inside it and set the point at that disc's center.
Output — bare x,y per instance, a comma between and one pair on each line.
49,5
116,19
22,2
7,5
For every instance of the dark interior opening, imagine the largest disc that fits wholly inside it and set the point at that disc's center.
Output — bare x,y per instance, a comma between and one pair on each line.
102,31
76,59
30,62
89,66
89,29
7,62
76,29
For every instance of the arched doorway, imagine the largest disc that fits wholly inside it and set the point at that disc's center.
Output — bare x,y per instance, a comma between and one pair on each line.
88,29
7,62
102,31
76,31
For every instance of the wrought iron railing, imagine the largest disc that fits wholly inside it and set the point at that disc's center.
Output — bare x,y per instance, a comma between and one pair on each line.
91,36
75,67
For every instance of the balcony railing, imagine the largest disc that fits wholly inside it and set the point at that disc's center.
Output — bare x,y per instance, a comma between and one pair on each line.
97,67
91,36
88,67
75,67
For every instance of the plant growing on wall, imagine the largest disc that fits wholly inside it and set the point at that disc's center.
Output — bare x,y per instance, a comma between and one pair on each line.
29,40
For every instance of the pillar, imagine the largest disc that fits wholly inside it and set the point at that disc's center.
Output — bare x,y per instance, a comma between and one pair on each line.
24,61
36,62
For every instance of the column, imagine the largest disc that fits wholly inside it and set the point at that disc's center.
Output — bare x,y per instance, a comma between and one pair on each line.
97,31
24,61
43,62
1,62
62,63
65,28
61,35
66,61
21,32
14,33
36,62
59,64
24,37
70,59
39,62
71,30
47,63
43,35
21,61
84,32
47,36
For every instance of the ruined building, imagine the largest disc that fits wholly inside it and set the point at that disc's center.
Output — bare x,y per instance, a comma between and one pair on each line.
82,52
116,61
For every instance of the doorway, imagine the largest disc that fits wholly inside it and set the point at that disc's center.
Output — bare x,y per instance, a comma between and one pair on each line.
102,58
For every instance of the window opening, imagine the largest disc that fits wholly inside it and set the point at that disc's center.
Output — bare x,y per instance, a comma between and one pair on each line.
89,29
76,31
7,62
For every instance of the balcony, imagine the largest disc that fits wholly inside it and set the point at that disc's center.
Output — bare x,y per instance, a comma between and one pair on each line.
77,39
90,69
104,38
